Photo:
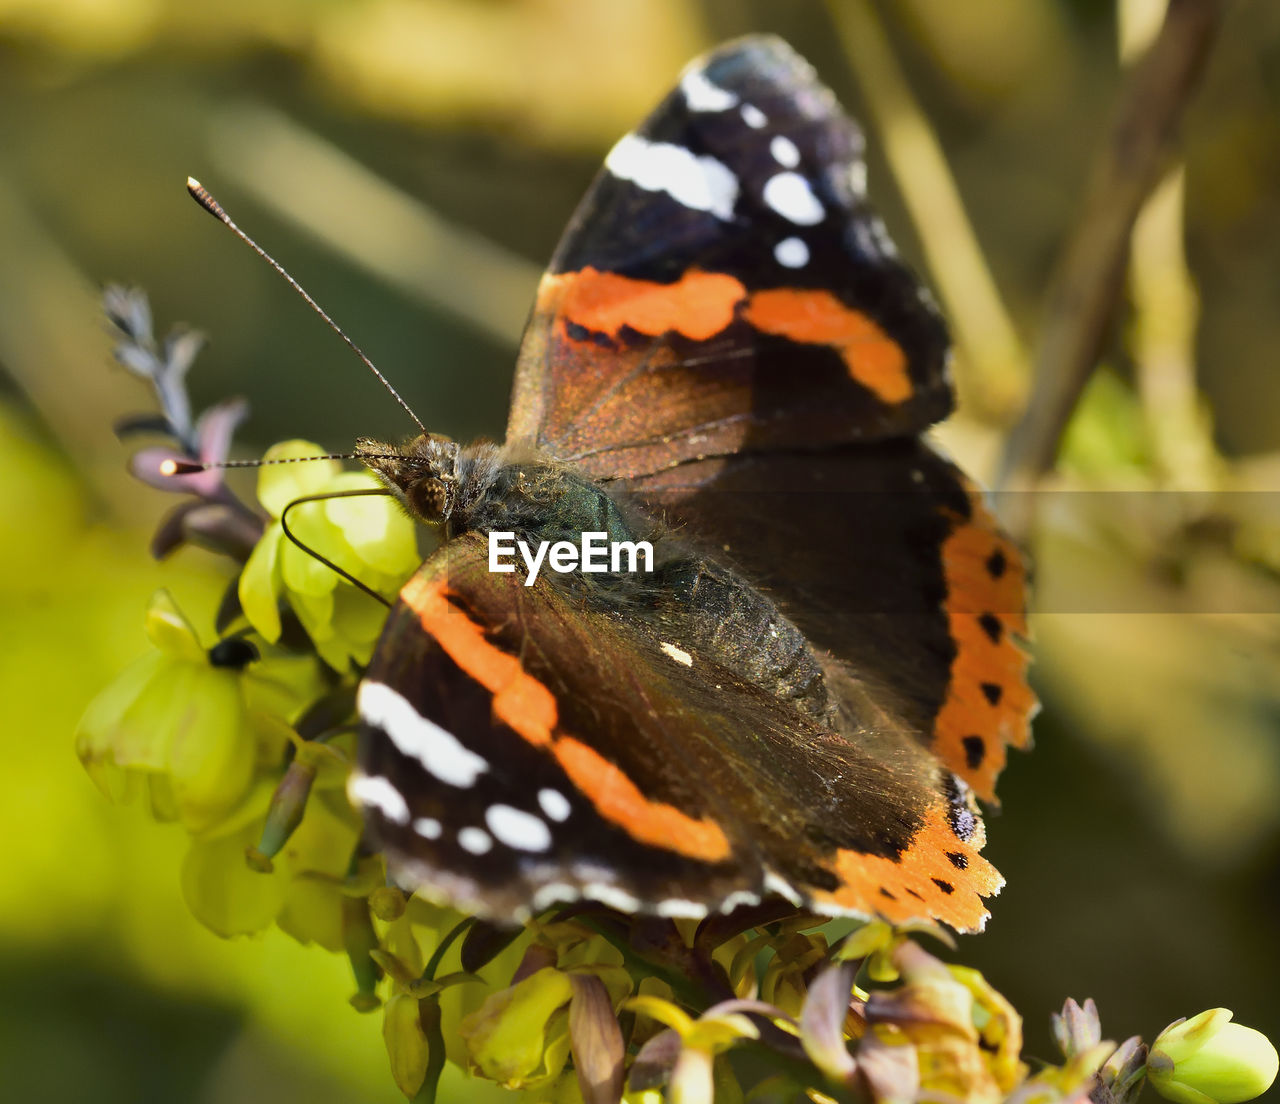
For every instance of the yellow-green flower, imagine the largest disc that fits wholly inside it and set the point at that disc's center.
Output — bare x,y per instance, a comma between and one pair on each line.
563,1089
172,725
877,942
519,1037
1210,1060
368,536
966,1036
188,727
688,1051
225,894
305,890
784,983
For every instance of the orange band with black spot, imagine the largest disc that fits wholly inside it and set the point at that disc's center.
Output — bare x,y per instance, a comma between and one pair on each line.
938,875
989,703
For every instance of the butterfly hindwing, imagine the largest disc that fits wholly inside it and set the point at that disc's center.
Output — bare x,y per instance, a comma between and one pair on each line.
886,557
526,745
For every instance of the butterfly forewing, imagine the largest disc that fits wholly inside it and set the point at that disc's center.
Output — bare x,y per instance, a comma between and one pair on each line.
724,287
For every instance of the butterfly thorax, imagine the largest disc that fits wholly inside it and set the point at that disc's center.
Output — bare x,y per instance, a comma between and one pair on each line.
479,489
720,614
543,501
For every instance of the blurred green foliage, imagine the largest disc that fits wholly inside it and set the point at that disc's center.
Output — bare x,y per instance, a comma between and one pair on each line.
1141,840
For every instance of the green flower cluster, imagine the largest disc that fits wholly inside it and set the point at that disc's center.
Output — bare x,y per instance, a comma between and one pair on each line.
364,534
247,742
236,741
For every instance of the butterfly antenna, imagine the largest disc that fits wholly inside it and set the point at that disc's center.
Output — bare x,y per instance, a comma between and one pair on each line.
191,467
325,497
201,195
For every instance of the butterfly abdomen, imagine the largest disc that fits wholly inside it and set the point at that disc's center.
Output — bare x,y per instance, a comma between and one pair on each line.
730,622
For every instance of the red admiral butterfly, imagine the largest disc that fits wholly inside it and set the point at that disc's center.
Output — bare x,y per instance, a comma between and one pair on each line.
803,697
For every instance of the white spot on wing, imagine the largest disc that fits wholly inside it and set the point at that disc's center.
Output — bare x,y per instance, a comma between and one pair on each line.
475,840
678,654
441,752
882,236
554,892
830,908
700,183
791,253
606,894
784,152
871,238
612,896
701,95
375,792
427,827
554,804
739,897
858,179
753,116
790,196
775,883
518,829
678,907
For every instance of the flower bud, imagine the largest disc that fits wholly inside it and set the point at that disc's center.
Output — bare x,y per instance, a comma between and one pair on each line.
1210,1060
406,1043
596,1040
360,939
387,903
284,814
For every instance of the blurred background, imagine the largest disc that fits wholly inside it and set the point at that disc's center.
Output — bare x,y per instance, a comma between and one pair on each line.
413,163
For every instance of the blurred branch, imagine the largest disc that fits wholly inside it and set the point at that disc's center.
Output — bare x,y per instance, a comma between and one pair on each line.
983,330
1166,315
315,186
1166,306
1086,285
53,344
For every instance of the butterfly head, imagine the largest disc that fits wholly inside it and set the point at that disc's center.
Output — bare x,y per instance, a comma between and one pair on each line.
423,474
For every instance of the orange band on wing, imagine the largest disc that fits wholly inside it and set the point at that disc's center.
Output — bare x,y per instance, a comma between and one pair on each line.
524,705
616,798
698,305
938,875
701,304
873,358
520,701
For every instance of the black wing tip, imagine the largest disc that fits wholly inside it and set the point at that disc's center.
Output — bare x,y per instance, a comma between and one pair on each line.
754,46
754,58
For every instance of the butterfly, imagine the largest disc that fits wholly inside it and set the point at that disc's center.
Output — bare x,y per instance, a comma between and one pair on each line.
817,669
